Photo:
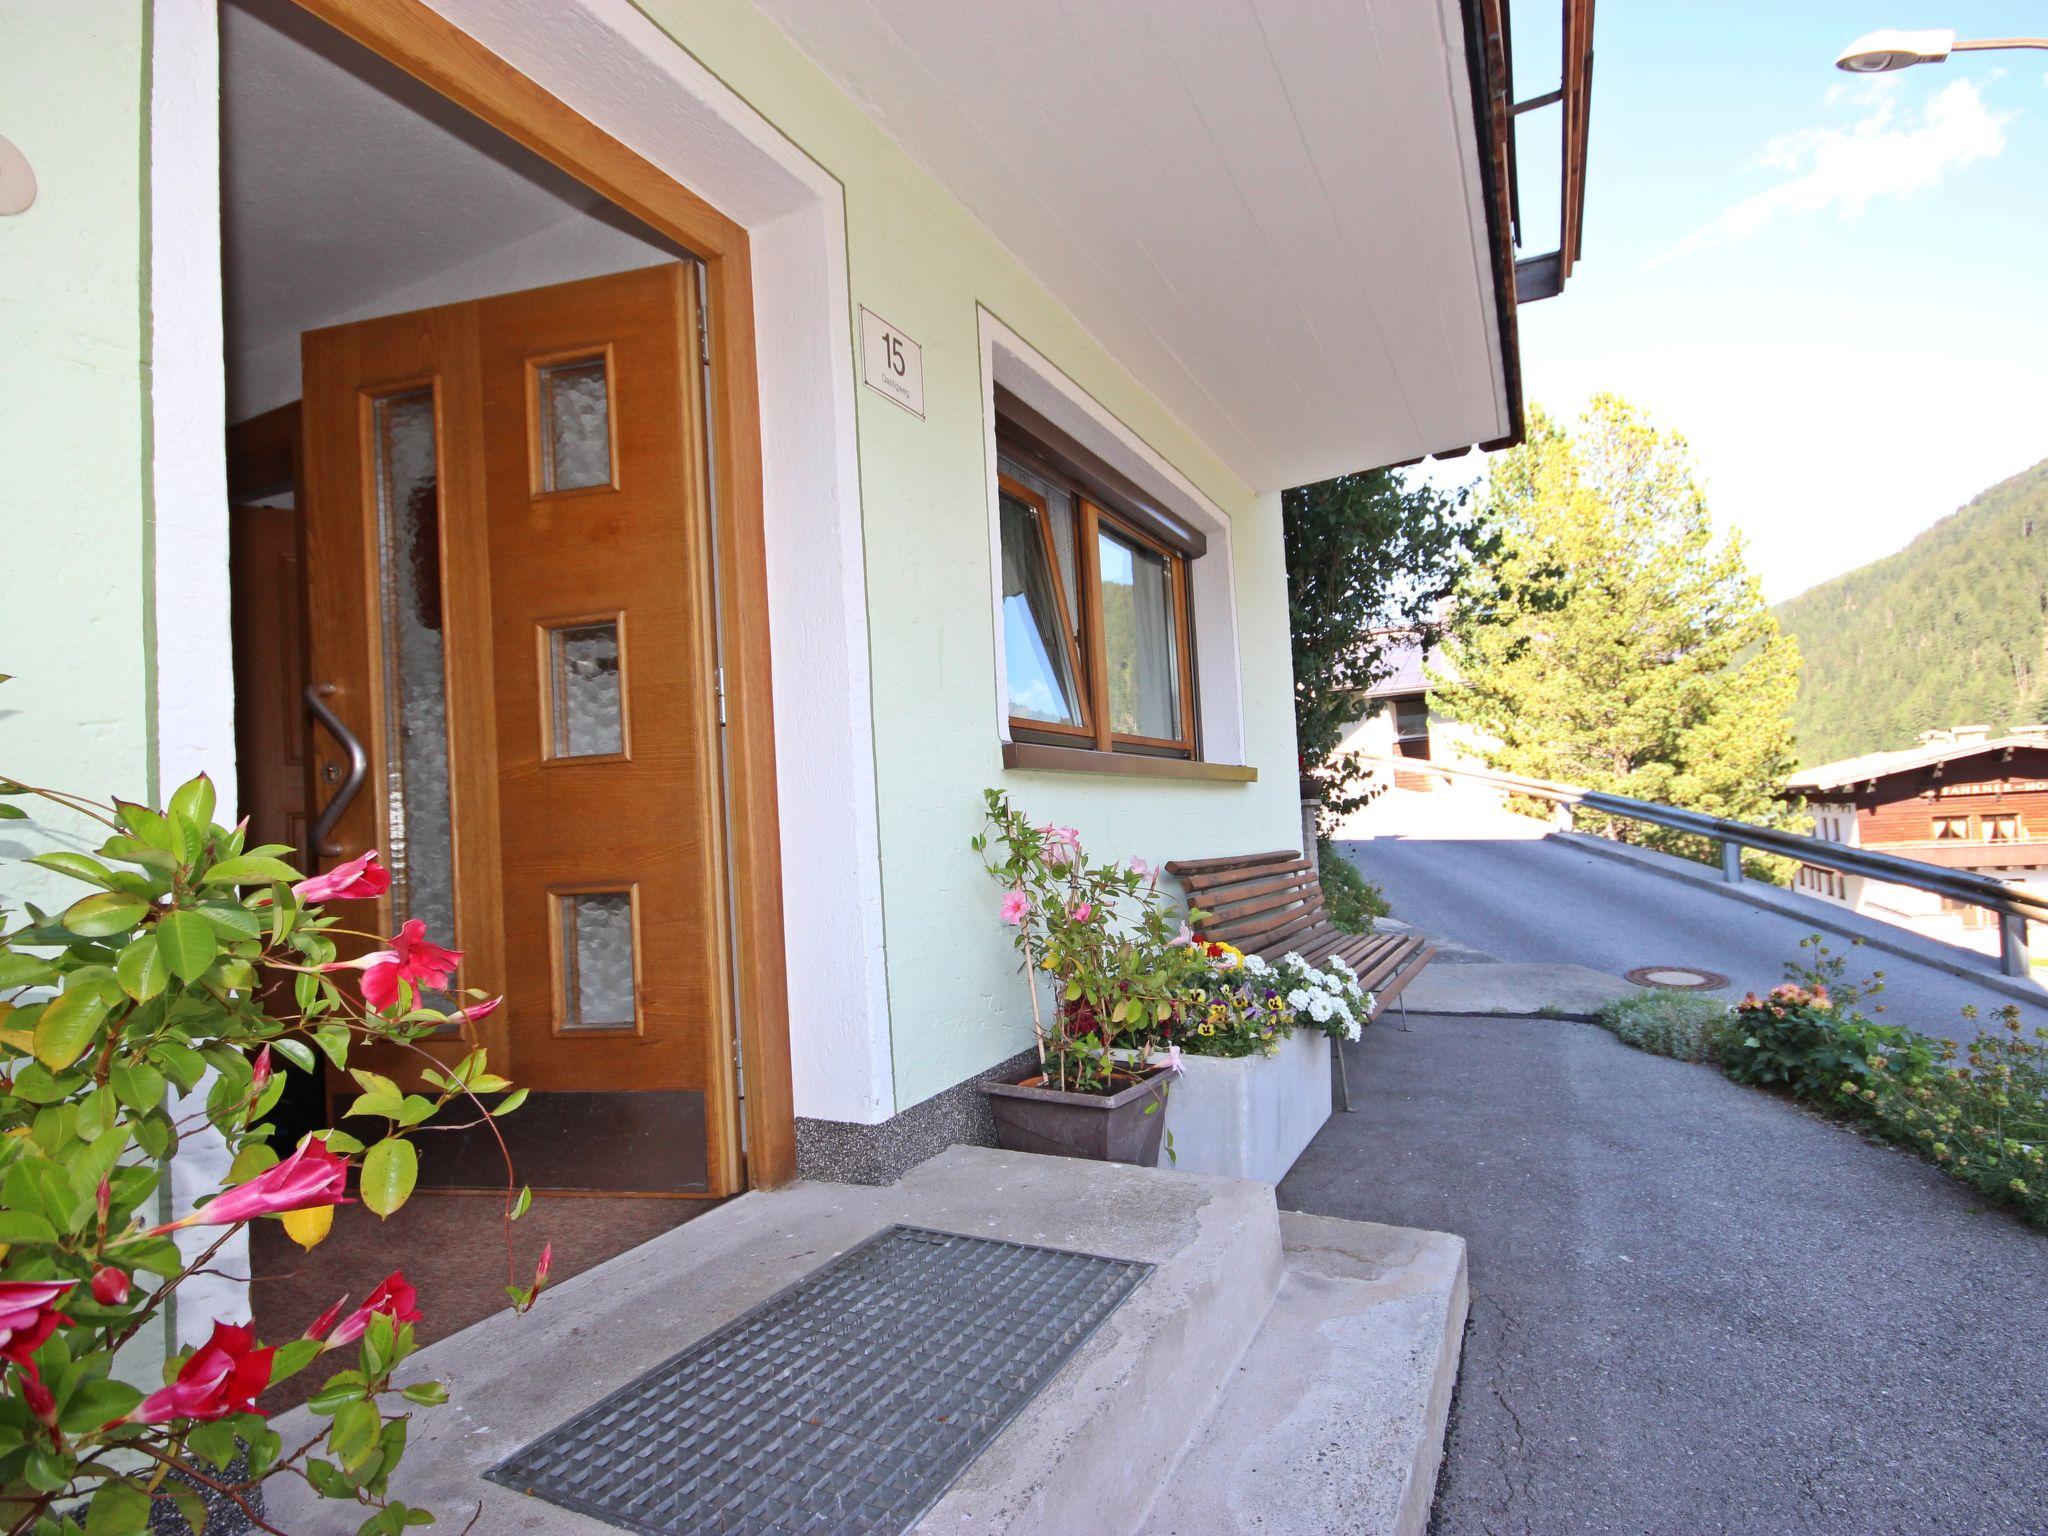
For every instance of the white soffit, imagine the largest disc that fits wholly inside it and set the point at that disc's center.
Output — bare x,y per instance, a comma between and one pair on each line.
1269,210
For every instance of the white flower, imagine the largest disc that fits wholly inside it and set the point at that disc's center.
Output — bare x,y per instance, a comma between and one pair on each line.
1351,1029
1254,966
1298,999
1319,1007
1291,958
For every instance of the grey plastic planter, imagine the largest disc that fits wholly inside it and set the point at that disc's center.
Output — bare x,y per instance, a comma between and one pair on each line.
1106,1129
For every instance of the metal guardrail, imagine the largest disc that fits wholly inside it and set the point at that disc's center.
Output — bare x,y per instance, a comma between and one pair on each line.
2015,907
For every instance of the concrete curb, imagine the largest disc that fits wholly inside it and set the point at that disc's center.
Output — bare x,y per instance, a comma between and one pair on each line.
1770,899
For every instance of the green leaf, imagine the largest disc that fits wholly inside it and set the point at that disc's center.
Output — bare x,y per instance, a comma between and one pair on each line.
141,968
232,922
188,944
137,1084
111,912
294,1357
428,1394
389,1172
95,1403
18,970
67,1027
133,850
25,1227
193,800
520,1206
76,865
385,1106
510,1102
249,869
297,1052
353,1439
12,812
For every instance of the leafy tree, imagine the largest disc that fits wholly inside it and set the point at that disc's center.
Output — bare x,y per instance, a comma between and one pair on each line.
1370,563
1616,642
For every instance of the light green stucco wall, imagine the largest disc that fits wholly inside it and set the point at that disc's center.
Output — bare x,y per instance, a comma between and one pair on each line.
918,257
74,414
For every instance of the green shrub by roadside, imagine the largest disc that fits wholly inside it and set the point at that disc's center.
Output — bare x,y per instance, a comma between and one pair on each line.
1979,1111
1351,900
1666,1022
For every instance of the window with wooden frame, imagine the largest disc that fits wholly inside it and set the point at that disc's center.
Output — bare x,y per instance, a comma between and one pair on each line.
1097,633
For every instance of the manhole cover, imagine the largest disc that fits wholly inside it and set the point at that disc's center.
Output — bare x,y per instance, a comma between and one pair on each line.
1684,977
846,1403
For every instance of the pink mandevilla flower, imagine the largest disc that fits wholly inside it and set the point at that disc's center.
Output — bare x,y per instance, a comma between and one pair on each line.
1081,911
394,1297
1185,936
411,958
259,1071
1015,905
28,1316
109,1286
220,1377
476,1013
310,1176
357,880
1062,845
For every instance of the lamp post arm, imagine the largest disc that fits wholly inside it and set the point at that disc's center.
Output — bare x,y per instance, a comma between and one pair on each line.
1963,44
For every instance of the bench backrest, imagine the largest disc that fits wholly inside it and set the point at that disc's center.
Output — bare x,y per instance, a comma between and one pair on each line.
1264,903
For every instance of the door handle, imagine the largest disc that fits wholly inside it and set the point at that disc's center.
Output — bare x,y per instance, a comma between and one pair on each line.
317,695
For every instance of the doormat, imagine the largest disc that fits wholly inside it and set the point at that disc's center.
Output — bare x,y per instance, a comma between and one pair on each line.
847,1402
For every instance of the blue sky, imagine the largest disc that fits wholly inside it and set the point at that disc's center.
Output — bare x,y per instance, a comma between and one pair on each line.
1835,286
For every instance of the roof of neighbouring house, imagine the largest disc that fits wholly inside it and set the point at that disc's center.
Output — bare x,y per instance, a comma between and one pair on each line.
1939,747
1412,668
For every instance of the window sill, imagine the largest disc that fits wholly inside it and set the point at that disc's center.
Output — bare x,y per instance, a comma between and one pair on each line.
1044,759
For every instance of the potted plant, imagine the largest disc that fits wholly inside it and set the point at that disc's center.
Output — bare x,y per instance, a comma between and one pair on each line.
1255,1082
1118,958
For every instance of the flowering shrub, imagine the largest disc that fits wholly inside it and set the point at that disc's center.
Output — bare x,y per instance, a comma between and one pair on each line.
135,1018
1980,1111
1120,954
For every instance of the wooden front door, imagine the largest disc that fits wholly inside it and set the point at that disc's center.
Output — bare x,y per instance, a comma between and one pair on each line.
509,555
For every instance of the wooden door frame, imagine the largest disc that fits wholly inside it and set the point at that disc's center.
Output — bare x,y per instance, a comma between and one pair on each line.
453,64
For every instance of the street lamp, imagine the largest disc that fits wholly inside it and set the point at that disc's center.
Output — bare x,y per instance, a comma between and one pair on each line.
1881,51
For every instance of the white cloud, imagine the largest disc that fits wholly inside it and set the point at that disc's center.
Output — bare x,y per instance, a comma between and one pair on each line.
1882,154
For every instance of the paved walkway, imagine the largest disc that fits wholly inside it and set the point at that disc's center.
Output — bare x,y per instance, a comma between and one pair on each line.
1461,868
1695,1308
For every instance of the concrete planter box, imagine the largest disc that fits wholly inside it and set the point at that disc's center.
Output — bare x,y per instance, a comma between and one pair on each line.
1249,1116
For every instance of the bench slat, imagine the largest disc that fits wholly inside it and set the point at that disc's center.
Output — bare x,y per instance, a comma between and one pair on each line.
1222,900
1183,867
1229,879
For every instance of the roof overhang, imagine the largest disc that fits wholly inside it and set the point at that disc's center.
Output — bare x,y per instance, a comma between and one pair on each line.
1292,222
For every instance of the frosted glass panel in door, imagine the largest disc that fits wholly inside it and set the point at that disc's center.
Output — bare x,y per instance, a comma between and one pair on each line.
575,425
419,831
585,707
595,941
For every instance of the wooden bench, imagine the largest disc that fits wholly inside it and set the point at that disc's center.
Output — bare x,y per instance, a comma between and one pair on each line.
1271,904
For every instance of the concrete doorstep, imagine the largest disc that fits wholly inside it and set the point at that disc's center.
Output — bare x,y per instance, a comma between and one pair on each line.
1287,1373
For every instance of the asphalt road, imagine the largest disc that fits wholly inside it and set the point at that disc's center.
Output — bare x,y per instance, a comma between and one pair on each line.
1466,871
1695,1307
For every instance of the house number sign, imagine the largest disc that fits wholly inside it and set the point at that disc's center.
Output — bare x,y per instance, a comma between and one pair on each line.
891,363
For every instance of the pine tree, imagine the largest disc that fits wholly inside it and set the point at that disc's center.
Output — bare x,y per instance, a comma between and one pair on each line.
1617,642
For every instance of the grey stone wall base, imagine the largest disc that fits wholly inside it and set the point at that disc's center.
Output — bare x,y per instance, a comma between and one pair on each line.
843,1153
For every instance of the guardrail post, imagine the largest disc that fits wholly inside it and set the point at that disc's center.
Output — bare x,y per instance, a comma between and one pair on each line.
1731,862
2013,958
1561,816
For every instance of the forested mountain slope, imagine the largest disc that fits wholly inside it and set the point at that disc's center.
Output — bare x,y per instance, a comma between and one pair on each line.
1953,629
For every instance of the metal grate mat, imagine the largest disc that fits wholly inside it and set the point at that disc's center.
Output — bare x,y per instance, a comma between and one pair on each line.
847,1402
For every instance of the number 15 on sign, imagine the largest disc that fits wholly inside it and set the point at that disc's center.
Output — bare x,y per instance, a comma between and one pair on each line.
891,363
